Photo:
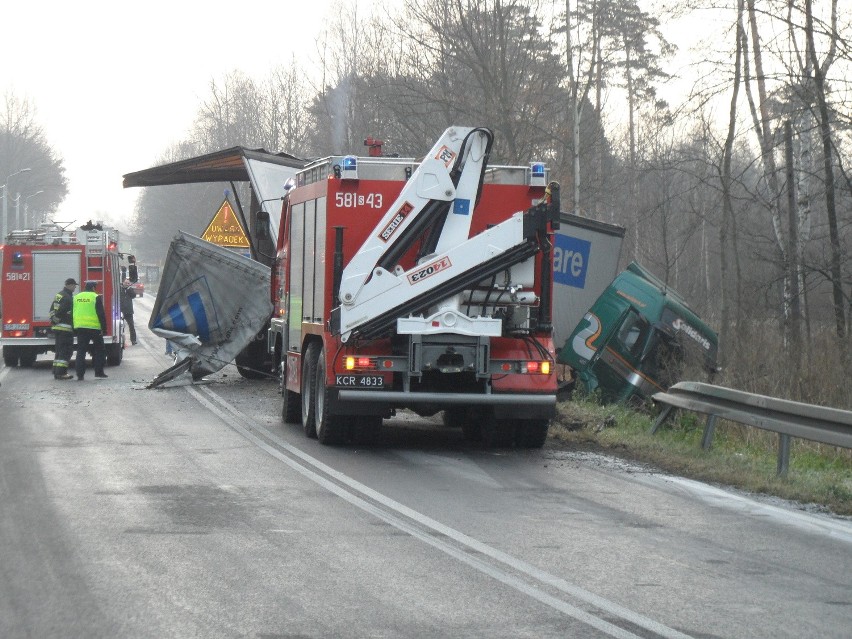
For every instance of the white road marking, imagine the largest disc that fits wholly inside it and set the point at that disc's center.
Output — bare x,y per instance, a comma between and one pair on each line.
346,487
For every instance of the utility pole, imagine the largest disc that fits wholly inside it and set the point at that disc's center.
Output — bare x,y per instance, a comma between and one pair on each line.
26,200
5,188
17,211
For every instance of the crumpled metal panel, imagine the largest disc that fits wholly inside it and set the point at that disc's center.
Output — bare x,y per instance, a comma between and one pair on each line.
210,304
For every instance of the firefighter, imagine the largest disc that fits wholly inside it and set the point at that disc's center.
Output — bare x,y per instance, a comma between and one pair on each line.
127,295
90,325
63,329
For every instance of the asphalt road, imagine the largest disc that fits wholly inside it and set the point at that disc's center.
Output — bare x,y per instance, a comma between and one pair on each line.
192,511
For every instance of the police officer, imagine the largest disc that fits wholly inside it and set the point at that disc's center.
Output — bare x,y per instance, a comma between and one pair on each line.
90,325
63,329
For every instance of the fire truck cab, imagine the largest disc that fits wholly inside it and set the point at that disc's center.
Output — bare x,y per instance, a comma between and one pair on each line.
35,264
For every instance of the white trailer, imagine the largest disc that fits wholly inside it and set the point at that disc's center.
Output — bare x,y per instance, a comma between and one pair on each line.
585,262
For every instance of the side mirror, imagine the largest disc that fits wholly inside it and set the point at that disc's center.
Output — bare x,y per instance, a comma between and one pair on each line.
262,224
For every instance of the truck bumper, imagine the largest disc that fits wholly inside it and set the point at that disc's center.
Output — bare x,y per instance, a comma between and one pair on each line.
43,342
513,405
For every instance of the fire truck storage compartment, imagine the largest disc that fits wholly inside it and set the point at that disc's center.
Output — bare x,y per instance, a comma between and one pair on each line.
307,283
50,270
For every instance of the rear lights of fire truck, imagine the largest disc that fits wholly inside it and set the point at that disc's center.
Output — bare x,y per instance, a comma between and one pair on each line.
533,367
16,329
539,367
366,363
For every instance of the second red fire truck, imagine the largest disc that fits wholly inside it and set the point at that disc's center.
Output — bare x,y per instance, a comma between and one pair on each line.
35,264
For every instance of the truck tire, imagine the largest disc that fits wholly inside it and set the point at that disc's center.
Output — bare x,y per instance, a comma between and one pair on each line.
531,433
10,357
291,408
253,362
469,420
115,353
497,433
28,357
330,429
309,382
478,424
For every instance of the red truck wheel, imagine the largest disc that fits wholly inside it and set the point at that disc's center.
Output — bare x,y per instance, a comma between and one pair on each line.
330,428
531,433
309,389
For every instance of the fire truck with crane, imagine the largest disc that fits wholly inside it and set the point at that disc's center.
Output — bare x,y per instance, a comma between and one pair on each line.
35,264
425,286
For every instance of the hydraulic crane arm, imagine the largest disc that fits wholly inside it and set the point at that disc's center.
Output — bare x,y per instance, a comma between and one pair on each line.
441,195
450,175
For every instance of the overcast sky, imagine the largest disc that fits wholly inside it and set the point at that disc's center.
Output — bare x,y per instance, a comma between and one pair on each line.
116,83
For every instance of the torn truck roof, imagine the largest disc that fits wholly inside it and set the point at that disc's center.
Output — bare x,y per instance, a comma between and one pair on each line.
227,165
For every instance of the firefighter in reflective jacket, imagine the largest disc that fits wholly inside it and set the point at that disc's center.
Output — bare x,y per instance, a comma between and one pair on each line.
63,329
90,325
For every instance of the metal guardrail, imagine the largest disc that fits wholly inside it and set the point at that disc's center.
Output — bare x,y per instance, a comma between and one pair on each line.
830,426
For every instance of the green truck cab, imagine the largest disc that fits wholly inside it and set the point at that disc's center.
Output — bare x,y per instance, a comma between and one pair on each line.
639,338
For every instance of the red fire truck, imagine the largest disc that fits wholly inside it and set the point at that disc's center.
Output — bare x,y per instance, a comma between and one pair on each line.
424,286
35,265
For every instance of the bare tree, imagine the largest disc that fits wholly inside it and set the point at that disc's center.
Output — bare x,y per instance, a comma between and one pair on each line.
233,114
820,68
286,119
23,145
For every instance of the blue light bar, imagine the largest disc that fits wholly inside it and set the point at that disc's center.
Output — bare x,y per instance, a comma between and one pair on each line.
349,169
538,173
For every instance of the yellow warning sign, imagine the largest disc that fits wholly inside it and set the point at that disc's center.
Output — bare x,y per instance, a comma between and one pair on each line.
225,229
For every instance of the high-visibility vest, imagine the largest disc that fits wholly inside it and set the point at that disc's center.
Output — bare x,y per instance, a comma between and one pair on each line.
84,314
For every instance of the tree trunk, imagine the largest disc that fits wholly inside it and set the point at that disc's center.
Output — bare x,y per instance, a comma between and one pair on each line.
830,204
576,111
763,127
631,128
727,203
794,334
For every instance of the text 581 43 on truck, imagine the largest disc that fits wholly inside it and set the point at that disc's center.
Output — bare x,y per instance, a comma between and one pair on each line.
422,286
35,265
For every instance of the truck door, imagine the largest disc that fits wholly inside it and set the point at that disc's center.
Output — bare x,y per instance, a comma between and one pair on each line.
618,364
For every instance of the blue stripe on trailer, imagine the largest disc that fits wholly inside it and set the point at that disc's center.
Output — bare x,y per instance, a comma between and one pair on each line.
200,313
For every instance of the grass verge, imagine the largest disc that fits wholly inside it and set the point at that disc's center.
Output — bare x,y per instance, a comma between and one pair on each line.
743,457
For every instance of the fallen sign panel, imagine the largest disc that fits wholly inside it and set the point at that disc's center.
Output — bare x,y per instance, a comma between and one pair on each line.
210,304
